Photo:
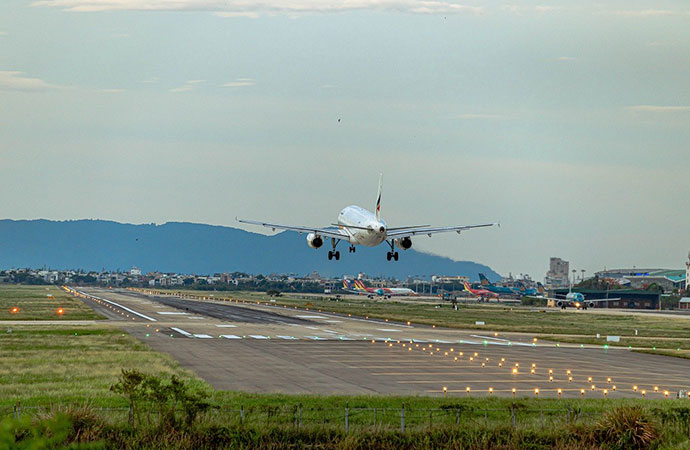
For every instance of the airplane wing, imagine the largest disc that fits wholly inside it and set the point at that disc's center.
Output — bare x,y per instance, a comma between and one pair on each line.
330,232
401,232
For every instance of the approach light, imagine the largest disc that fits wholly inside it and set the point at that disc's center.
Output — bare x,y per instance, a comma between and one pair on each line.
60,311
14,310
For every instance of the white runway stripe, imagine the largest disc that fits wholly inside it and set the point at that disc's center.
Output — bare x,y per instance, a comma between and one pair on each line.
182,332
230,336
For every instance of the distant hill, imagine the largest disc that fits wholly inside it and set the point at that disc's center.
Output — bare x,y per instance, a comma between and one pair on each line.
200,249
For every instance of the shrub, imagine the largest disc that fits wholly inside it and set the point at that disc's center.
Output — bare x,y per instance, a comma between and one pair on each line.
627,427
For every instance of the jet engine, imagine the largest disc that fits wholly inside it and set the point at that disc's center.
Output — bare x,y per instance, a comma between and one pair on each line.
590,304
560,303
314,240
405,243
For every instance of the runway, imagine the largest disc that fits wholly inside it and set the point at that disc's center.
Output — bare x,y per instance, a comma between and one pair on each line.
259,348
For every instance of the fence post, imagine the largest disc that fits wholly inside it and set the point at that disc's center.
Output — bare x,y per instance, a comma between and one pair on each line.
486,417
402,418
512,415
131,415
431,418
374,417
242,414
299,423
19,410
457,416
347,418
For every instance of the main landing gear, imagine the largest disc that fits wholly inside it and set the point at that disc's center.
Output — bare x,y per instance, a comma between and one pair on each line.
352,249
334,253
392,254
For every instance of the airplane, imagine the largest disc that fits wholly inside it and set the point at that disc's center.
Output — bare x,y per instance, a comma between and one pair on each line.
481,293
577,300
358,287
359,226
523,290
488,285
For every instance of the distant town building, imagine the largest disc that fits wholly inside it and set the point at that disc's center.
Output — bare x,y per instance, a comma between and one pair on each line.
135,271
558,273
684,303
687,273
450,279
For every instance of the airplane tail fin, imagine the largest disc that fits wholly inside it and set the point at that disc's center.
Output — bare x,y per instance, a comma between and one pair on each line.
378,198
467,287
485,281
540,288
347,284
359,285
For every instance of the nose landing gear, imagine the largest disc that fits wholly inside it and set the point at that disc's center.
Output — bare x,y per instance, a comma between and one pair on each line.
352,249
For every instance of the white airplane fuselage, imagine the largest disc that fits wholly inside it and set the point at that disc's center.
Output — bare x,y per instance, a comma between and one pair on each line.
362,226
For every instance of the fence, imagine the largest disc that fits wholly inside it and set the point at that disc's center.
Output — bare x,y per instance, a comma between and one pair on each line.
347,418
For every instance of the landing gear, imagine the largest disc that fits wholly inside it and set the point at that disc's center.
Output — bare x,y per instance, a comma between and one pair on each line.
392,254
334,253
352,249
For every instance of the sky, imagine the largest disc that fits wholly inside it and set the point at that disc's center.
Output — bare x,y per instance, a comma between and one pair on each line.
568,122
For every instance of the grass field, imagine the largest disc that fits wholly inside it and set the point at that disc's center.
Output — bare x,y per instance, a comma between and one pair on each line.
41,303
496,317
43,365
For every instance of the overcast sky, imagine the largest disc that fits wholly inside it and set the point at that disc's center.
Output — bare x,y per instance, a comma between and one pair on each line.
568,122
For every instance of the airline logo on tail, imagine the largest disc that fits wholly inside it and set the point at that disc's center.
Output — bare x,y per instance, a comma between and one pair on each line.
484,281
356,285
467,286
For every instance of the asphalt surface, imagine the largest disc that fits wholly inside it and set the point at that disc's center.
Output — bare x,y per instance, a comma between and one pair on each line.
260,348
227,311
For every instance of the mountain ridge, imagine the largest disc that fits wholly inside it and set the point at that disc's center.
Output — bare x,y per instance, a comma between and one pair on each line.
186,247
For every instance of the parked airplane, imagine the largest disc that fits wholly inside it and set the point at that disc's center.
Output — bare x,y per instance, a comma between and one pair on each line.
358,226
481,293
524,290
577,300
357,287
488,285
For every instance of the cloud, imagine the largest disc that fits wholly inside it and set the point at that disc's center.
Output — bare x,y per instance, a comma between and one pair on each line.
150,80
16,81
188,86
3,33
479,116
650,13
110,91
240,82
247,8
119,35
566,58
658,109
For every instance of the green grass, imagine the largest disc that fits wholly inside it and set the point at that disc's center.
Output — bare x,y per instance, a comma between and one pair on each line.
656,345
496,317
42,303
43,365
